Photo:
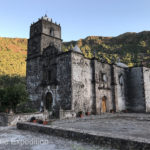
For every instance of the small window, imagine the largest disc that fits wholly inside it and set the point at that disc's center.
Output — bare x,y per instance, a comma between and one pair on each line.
104,77
51,32
121,80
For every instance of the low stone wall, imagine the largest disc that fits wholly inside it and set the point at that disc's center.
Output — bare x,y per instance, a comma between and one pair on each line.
66,114
86,136
12,119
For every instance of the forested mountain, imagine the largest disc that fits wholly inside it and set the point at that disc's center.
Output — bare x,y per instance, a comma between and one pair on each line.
12,56
131,48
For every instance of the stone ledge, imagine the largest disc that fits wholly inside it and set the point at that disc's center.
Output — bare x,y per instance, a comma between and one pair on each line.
12,119
102,139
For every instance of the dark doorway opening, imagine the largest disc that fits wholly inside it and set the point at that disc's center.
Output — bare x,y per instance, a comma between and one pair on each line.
49,101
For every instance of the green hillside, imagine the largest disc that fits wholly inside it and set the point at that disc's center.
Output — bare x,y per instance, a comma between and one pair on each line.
131,48
12,56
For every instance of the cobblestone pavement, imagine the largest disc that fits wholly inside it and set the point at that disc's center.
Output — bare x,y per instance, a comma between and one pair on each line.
126,126
13,139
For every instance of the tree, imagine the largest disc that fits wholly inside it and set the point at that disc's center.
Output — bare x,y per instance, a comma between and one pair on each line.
12,92
14,95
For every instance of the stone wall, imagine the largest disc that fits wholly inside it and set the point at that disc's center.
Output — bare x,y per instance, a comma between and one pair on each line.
64,89
47,40
82,95
146,77
120,87
48,25
34,47
33,79
12,119
66,114
136,96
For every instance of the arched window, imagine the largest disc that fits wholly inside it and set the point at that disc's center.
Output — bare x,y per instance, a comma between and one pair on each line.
104,77
51,32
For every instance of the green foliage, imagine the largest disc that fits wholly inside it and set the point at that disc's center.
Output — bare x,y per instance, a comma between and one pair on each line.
142,43
12,56
12,92
22,108
9,81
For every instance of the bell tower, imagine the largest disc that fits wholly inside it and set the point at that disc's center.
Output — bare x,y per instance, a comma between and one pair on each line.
42,34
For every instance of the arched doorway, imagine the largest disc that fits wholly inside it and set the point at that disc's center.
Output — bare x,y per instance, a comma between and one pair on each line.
49,101
103,105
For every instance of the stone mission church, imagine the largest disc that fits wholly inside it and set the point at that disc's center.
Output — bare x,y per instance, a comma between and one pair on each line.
69,81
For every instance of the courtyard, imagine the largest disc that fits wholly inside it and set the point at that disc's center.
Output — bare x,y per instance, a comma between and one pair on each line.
135,127
13,139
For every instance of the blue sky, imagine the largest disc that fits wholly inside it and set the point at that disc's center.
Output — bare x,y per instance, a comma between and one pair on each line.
78,18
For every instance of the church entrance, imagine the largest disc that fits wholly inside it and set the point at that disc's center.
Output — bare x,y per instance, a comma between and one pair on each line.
103,105
49,101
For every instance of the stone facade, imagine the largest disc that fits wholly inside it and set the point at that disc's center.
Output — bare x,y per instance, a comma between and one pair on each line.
68,81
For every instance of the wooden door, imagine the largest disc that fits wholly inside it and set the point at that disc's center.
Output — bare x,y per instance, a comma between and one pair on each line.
103,107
